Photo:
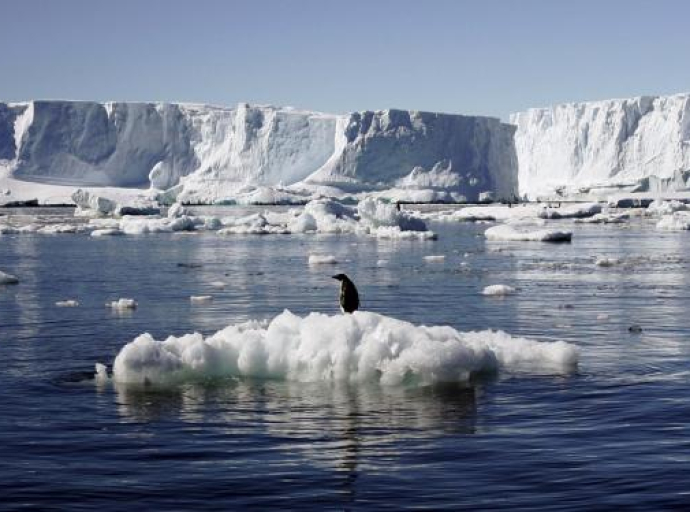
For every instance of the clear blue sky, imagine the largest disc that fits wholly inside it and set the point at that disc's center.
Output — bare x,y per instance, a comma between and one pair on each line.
486,57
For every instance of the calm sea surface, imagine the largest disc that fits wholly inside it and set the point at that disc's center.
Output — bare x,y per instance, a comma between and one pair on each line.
614,434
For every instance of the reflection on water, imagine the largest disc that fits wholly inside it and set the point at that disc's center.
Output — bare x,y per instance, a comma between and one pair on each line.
335,408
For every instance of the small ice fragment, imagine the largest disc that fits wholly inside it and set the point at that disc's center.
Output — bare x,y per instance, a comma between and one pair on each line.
435,258
201,298
382,263
498,290
101,372
106,232
606,262
67,303
8,278
602,316
217,284
322,259
122,304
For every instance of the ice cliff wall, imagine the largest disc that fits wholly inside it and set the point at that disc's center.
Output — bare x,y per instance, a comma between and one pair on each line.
638,144
213,152
424,150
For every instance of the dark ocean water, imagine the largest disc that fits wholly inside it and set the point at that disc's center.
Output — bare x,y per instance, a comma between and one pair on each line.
614,434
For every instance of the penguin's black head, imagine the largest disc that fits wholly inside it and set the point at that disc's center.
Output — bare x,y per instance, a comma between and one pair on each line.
340,277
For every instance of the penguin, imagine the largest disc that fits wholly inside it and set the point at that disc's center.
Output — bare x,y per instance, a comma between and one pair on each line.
349,298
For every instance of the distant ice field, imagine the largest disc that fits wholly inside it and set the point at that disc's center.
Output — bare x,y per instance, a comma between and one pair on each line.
611,430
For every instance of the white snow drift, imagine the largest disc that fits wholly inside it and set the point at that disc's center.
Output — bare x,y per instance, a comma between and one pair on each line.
359,347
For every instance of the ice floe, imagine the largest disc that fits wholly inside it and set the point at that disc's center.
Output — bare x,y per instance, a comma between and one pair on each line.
359,347
70,303
200,298
659,207
122,304
322,259
603,261
678,221
106,232
575,211
371,217
526,233
498,290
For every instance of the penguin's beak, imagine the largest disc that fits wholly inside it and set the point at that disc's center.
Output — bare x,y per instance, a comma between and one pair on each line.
334,277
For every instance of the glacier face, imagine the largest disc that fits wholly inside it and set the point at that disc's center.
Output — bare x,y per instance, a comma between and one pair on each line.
207,153
423,150
639,144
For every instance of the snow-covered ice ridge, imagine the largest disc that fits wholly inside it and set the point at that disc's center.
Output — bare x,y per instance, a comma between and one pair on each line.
638,144
202,153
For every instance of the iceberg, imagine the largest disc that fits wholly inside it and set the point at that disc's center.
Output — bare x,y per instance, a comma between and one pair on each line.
635,145
251,154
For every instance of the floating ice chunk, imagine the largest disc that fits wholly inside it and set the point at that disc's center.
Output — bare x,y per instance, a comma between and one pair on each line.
324,216
212,223
101,373
135,225
92,204
511,233
606,262
106,232
659,207
303,223
578,211
107,223
176,210
601,317
217,284
256,224
678,221
71,303
382,263
605,218
359,347
498,290
375,214
55,229
122,304
8,278
395,233
435,258
322,259
201,298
